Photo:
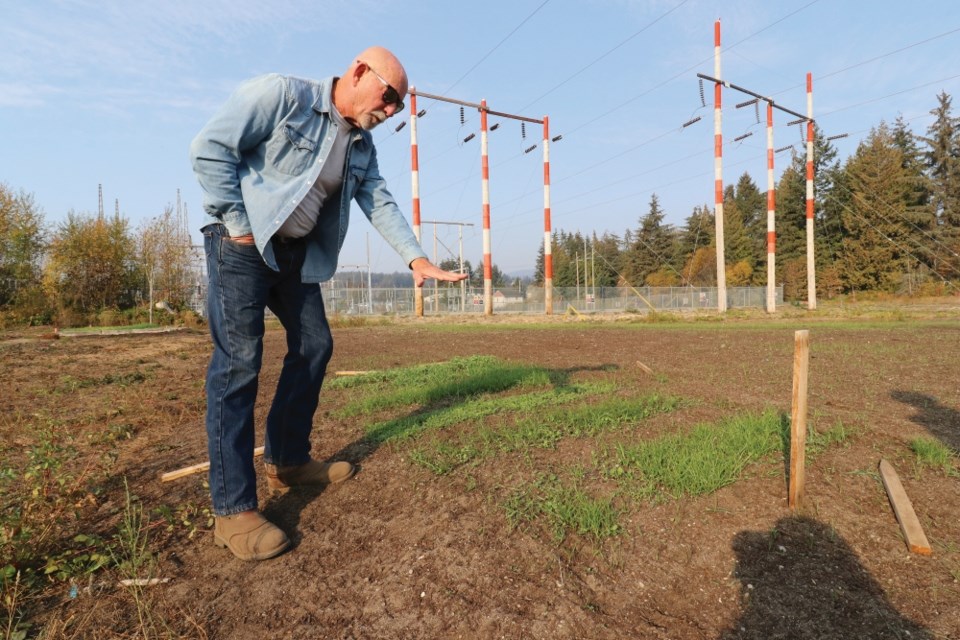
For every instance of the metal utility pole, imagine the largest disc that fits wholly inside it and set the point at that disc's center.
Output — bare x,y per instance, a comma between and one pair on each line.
360,267
415,188
718,174
811,268
460,225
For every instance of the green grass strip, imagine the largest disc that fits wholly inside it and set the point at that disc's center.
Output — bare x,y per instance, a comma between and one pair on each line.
476,409
540,431
426,385
702,461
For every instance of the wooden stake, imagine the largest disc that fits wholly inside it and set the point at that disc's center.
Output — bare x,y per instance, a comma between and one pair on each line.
903,508
798,421
196,468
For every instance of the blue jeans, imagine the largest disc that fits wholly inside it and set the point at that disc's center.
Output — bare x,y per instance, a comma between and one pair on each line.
241,286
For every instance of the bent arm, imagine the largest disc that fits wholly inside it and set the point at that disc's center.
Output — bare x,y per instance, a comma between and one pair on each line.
216,153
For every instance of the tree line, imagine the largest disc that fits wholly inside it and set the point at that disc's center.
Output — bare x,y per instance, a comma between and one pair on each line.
886,220
88,269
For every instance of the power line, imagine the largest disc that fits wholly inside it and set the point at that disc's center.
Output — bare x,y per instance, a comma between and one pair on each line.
873,59
497,46
897,93
602,56
689,69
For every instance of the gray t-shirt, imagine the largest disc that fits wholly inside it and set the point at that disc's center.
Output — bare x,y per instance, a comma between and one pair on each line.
304,217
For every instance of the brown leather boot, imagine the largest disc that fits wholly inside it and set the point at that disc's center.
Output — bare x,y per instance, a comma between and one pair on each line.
313,473
250,536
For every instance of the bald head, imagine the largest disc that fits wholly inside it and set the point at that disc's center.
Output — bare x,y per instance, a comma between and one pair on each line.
372,89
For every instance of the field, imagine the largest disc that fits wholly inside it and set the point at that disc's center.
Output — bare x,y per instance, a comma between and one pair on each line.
570,479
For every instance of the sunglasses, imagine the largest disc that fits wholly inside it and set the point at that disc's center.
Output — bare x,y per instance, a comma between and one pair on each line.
390,95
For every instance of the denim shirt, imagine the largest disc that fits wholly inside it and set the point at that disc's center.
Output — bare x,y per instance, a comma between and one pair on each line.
261,153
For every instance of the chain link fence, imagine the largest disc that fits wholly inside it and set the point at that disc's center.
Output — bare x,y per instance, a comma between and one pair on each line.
454,300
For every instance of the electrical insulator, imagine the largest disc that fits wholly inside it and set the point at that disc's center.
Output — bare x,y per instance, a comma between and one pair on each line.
556,138
470,137
756,109
746,135
746,104
703,99
421,113
523,130
495,127
789,146
690,122
463,120
797,121
838,136
530,148
400,126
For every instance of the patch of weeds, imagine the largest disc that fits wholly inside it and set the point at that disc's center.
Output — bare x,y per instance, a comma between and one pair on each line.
188,516
137,564
41,504
711,456
70,384
114,432
565,509
820,441
933,454
14,623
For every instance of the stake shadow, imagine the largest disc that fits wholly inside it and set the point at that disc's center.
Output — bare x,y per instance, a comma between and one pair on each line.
941,421
802,580
285,510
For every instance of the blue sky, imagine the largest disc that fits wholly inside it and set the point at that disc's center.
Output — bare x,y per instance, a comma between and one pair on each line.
111,92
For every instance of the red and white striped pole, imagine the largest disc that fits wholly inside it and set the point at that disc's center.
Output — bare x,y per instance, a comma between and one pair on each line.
718,173
811,268
547,244
771,209
485,172
415,189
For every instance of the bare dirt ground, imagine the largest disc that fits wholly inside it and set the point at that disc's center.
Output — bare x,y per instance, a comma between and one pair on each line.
401,553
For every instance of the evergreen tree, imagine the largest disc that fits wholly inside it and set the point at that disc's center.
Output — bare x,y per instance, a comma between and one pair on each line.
652,246
876,223
942,159
752,205
697,234
919,214
605,254
737,244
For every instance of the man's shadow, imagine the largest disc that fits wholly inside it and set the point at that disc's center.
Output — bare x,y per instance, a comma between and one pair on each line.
286,510
941,421
802,580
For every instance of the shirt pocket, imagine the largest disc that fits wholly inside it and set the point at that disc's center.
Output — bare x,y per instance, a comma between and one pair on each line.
355,177
291,151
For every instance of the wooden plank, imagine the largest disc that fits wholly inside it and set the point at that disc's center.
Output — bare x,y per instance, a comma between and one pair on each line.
903,508
798,421
645,368
196,468
352,373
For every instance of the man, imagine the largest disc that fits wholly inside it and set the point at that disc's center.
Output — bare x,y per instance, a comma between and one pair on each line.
279,164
